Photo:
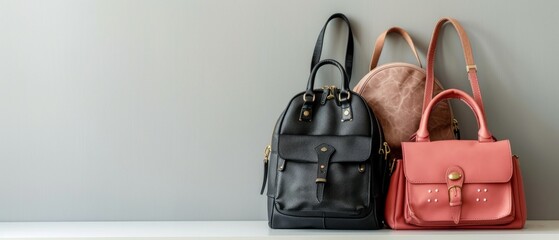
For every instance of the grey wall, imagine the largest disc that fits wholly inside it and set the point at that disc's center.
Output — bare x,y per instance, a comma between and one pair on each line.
160,110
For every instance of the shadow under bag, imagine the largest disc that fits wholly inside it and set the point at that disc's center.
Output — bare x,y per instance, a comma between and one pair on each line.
326,164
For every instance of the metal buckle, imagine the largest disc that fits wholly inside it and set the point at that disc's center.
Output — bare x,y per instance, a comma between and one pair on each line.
473,66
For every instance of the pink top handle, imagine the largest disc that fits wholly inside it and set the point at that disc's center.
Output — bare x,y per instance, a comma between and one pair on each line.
483,133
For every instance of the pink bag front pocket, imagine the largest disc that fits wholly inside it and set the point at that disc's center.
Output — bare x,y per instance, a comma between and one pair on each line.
482,204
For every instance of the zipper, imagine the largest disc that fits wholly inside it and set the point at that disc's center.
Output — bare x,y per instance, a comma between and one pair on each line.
328,93
379,132
267,152
455,129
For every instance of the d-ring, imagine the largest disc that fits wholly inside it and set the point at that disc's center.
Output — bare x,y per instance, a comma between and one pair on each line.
340,95
305,97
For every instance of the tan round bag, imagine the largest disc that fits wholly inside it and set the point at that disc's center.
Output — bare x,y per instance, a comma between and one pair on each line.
395,93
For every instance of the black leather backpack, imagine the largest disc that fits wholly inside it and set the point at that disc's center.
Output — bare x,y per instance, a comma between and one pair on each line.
327,163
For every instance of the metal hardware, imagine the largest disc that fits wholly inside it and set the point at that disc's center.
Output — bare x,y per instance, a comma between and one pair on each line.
306,113
346,112
281,167
451,187
454,176
392,165
323,149
468,67
320,180
305,97
455,123
331,93
361,168
516,156
455,128
340,95
322,166
267,152
386,150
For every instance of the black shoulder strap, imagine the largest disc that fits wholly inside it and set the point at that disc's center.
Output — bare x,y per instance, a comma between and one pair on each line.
349,50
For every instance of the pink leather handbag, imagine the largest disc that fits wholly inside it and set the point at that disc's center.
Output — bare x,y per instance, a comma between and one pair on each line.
456,183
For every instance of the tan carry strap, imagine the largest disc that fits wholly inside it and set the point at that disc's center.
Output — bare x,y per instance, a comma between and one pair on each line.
380,43
470,65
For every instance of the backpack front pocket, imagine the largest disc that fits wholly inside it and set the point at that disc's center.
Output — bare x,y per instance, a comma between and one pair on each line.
317,176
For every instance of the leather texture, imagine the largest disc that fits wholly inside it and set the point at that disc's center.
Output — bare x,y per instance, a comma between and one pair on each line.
395,92
326,172
456,183
349,49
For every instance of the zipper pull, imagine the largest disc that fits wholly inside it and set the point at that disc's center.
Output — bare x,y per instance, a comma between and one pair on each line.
392,165
267,152
325,94
332,92
386,150
455,129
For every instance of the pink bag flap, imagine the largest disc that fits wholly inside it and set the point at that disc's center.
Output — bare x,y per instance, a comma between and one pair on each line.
487,162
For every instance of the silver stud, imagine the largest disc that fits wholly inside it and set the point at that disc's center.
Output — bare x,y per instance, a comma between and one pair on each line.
478,190
477,199
485,190
485,199
436,190
436,200
428,200
429,191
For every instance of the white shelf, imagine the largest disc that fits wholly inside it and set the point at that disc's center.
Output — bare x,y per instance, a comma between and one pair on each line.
247,230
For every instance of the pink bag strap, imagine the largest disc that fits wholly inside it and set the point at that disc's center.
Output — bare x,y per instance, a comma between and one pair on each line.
470,65
379,44
484,135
